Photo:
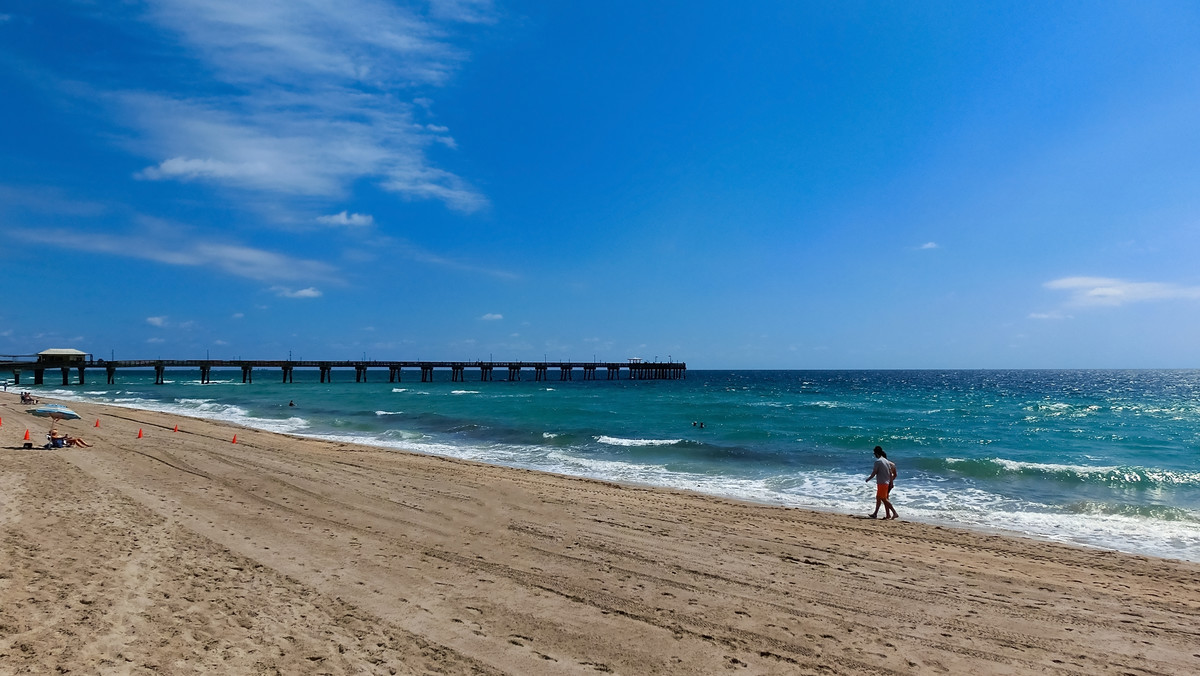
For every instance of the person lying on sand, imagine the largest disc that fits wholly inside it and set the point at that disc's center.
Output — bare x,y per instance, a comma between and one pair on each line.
68,440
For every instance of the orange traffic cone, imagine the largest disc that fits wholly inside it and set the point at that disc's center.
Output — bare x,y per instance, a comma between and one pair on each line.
97,422
176,429
26,435
234,439
139,433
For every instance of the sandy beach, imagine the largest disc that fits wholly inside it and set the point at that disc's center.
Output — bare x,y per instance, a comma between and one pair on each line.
182,552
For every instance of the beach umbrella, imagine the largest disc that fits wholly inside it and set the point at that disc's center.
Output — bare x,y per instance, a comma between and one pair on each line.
54,412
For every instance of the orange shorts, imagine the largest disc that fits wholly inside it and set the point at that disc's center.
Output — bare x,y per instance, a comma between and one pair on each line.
881,491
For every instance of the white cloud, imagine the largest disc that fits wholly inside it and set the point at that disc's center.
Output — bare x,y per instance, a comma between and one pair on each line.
285,292
310,97
155,340
1049,315
492,317
164,243
413,252
156,321
187,168
420,181
50,200
371,41
238,315
1090,291
345,218
929,245
468,11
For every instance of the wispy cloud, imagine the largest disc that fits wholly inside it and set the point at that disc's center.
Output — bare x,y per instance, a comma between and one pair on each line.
1107,291
421,255
345,218
1049,315
285,292
162,243
163,322
492,317
419,181
285,41
307,97
44,199
929,245
470,11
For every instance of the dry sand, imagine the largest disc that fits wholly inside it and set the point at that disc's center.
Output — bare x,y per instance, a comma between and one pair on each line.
184,553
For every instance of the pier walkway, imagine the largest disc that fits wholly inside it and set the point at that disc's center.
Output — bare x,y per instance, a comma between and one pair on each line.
459,370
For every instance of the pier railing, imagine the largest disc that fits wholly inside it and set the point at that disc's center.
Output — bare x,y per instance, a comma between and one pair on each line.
484,370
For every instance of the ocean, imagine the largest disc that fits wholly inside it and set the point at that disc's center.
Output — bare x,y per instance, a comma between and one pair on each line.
1105,459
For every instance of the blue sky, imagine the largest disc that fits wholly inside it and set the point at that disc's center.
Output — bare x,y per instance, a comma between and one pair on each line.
737,185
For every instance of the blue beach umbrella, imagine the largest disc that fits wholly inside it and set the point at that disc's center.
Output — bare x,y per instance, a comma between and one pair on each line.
54,412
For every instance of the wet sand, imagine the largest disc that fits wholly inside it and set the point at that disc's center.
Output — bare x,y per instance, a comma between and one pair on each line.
182,552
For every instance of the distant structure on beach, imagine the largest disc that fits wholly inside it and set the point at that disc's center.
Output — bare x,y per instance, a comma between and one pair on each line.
67,360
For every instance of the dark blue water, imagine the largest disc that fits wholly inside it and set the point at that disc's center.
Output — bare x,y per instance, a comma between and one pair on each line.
1101,458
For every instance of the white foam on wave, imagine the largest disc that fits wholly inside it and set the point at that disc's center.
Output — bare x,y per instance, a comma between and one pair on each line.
828,404
549,435
405,435
930,501
197,408
617,441
389,412
464,392
770,404
1111,472
1040,410
985,511
1018,465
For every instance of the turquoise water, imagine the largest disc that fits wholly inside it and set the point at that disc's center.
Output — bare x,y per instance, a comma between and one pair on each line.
1099,458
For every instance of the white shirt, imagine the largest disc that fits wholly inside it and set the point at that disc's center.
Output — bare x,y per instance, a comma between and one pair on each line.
883,471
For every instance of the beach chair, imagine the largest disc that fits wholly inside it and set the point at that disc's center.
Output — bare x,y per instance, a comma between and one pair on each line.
60,442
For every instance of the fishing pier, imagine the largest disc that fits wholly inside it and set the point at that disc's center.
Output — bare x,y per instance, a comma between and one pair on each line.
70,362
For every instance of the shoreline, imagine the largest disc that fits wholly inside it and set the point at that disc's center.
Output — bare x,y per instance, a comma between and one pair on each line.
185,552
1013,528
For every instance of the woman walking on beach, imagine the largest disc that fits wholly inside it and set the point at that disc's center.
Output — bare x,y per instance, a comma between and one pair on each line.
884,474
